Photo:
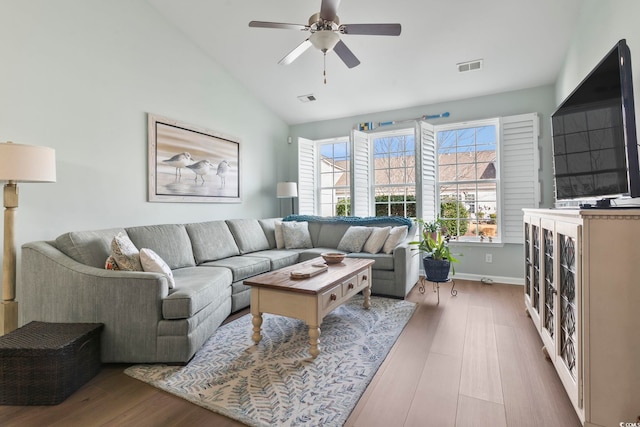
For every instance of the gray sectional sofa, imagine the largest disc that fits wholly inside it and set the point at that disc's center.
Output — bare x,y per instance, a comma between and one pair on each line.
146,321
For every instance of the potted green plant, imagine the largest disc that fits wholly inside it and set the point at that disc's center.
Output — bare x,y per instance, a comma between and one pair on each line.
438,259
431,228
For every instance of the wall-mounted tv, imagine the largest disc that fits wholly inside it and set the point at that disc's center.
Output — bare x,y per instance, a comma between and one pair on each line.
595,147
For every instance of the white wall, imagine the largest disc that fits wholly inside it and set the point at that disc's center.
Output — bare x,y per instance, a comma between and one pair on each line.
600,26
508,264
80,75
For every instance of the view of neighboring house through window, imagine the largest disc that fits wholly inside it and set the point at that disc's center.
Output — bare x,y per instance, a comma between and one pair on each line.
335,178
468,179
394,164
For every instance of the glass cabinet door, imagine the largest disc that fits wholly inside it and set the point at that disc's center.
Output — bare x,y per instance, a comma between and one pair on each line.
568,360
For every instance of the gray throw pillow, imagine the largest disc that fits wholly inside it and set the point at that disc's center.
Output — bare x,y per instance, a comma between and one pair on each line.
354,239
296,235
125,253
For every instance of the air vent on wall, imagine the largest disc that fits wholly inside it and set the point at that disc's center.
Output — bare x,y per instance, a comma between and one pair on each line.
470,65
307,98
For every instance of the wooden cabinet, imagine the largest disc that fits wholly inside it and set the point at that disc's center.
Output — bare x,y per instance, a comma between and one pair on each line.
582,291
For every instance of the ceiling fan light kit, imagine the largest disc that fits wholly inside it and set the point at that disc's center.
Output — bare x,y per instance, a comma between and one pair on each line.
325,32
324,40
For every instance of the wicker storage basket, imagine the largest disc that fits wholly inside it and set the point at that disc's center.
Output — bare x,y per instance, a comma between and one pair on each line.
43,363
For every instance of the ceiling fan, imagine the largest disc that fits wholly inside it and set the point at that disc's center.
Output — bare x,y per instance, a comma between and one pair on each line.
325,29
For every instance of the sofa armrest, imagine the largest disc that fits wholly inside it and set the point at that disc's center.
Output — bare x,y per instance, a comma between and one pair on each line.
406,265
56,288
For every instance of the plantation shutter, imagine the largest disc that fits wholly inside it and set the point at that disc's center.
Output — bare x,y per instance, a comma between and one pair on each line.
427,172
519,175
361,177
307,177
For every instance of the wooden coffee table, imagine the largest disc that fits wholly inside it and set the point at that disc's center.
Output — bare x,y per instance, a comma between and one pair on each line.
308,299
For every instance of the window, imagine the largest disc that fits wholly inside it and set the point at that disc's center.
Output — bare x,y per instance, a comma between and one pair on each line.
394,170
335,178
477,176
468,180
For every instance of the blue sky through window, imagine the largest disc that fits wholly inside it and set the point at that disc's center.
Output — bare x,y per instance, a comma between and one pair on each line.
481,138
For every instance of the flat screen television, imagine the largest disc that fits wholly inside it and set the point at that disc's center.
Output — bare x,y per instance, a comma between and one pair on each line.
595,147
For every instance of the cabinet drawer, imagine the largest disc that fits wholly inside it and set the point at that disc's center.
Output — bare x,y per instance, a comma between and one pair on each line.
350,286
331,298
364,279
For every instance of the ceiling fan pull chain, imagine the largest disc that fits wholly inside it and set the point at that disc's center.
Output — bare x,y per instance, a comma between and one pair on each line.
324,64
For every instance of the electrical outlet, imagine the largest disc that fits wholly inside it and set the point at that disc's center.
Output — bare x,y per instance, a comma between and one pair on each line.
488,258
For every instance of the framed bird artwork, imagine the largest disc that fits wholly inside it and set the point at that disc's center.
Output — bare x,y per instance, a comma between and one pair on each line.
188,163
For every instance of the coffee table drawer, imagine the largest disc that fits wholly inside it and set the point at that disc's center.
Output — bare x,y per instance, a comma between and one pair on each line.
331,298
364,279
351,286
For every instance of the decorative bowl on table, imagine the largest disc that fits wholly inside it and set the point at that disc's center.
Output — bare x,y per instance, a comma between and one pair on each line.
333,257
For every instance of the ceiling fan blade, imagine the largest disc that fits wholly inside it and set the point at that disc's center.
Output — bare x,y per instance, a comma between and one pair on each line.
280,25
346,55
329,9
299,50
372,29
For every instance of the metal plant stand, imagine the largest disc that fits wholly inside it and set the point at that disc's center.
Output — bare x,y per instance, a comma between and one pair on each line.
436,286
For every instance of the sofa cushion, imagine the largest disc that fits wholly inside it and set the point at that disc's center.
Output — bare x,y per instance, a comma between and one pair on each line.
170,241
376,239
242,267
382,261
354,239
196,288
278,257
211,241
88,247
307,254
125,253
331,234
272,228
296,235
396,236
152,262
248,234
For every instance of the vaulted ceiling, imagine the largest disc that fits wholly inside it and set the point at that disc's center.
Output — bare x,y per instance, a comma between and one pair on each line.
522,44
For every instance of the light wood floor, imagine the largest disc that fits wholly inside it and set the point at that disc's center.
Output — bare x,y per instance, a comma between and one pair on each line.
473,360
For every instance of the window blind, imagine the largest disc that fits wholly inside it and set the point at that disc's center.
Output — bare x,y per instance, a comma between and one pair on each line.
361,204
307,177
519,164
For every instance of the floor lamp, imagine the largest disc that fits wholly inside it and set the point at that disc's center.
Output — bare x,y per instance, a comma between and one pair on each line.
287,189
18,163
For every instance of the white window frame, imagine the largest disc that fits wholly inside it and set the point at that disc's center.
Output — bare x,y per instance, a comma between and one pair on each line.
518,167
334,188
387,133
466,125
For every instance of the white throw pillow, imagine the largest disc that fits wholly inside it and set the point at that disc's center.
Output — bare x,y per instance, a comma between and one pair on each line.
125,253
151,262
296,235
354,239
279,235
396,236
376,239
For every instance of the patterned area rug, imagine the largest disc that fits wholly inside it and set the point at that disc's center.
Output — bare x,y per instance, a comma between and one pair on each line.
276,382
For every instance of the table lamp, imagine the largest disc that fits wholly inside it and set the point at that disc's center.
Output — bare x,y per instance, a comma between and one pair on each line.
18,163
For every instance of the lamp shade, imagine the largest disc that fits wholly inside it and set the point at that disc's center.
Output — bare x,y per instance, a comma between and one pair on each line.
27,163
287,189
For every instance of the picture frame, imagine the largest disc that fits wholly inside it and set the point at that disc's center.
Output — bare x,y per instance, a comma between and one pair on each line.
191,164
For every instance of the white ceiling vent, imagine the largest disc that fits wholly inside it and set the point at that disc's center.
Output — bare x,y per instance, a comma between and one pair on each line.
470,66
307,98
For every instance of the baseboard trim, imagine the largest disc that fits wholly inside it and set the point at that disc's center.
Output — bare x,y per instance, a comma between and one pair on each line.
494,279
479,278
